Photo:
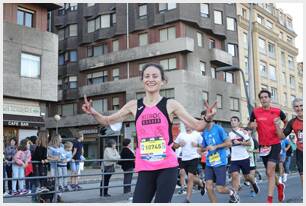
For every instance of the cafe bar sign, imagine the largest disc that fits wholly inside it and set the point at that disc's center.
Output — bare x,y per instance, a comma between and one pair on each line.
18,109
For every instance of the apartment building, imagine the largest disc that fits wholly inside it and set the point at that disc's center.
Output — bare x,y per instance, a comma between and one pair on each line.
274,55
102,48
30,68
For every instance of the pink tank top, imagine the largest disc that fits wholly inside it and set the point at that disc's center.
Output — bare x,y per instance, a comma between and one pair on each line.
154,138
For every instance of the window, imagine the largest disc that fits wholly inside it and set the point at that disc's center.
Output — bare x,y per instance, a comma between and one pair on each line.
61,59
272,73
203,68
218,17
60,84
292,82
72,82
115,103
290,62
73,30
100,105
142,11
219,101
98,23
246,67
285,98
260,19
68,109
245,40
229,77
281,35
289,40
204,10
162,7
263,69
271,49
73,6
230,24
200,38
73,56
262,46
274,94
97,77
289,24
25,17
61,34
283,78
105,21
269,24
30,65
115,45
205,96
113,18
116,75
244,13
211,43
89,51
234,104
213,72
283,59
263,86
100,50
143,39
140,66
167,34
231,49
168,64
169,93
91,26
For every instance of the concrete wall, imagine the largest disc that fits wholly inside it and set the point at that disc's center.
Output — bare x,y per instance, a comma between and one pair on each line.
17,39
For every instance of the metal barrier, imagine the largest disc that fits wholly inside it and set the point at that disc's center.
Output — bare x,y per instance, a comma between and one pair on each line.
56,177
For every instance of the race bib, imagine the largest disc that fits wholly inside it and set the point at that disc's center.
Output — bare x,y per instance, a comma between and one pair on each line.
300,136
214,159
153,149
264,151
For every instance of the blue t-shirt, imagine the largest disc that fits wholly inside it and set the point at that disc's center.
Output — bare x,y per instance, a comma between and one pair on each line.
216,135
284,144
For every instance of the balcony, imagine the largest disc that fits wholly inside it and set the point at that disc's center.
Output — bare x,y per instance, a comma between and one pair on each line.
220,57
155,49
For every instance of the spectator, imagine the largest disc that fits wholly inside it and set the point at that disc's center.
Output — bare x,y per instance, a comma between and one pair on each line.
21,159
77,152
30,185
9,153
127,166
66,156
111,155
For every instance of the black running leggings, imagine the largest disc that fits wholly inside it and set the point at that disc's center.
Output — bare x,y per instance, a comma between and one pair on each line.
160,183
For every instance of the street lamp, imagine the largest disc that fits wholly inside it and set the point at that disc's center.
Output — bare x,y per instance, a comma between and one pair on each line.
236,68
57,119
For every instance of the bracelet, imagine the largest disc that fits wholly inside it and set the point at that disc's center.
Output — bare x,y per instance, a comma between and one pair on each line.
206,120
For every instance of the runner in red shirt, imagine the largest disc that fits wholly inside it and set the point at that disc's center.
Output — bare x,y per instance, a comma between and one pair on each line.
296,124
269,136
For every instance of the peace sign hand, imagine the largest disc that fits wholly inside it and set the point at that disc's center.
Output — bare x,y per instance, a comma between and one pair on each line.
86,107
210,110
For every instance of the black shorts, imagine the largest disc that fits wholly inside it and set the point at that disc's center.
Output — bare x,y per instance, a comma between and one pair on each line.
180,163
253,168
273,156
299,161
244,165
191,166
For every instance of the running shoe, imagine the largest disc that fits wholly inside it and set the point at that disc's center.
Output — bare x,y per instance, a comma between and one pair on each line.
234,198
7,194
285,177
247,183
187,201
281,192
23,192
180,191
255,188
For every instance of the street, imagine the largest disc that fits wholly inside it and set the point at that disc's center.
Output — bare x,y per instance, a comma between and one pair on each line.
293,194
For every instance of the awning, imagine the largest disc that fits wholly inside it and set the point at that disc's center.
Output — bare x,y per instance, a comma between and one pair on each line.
22,121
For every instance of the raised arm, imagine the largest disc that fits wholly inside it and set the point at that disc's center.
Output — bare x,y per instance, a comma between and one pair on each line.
128,109
178,110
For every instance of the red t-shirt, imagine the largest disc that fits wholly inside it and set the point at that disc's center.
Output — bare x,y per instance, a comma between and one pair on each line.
265,124
296,125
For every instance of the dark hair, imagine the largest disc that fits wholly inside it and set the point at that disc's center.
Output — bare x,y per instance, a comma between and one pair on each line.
33,139
264,91
13,138
203,113
126,142
235,117
157,66
23,145
110,143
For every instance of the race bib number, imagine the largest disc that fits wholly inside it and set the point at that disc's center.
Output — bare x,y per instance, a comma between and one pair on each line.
214,159
153,149
300,136
264,151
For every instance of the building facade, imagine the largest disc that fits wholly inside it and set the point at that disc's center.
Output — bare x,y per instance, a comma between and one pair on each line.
30,68
274,55
102,48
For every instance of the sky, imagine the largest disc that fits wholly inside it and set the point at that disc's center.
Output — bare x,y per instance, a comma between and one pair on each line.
296,11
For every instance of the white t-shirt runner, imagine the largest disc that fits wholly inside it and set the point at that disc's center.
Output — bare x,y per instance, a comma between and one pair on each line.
189,152
239,152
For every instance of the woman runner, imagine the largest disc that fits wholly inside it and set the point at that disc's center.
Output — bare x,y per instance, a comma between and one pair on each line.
156,162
